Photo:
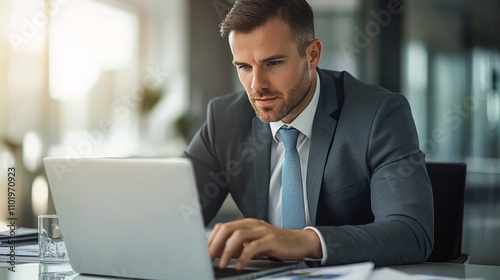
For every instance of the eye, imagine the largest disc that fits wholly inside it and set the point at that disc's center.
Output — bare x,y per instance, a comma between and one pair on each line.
244,67
274,63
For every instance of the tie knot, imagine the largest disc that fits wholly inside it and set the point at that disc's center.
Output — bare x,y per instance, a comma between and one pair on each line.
289,137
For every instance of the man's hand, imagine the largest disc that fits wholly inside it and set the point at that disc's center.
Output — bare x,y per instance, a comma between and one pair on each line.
248,238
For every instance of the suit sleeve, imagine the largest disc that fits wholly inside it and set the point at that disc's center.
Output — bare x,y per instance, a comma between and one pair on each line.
203,153
401,196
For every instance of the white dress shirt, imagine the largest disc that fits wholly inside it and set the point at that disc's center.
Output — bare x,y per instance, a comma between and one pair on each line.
302,123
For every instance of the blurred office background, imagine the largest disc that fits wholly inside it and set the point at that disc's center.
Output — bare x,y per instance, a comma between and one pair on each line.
82,78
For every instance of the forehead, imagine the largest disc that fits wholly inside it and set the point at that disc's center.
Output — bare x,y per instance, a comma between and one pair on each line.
274,37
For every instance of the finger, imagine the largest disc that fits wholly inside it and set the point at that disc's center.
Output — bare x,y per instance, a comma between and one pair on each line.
236,243
213,234
218,242
240,224
252,249
211,237
221,234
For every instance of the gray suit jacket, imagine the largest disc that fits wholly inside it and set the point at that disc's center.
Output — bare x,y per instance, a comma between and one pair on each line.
367,185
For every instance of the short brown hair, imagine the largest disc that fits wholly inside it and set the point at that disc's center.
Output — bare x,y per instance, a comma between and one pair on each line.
247,15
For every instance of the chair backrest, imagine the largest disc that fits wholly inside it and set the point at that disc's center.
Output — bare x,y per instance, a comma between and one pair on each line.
448,186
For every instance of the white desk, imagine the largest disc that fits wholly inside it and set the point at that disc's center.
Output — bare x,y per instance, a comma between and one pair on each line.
63,271
487,272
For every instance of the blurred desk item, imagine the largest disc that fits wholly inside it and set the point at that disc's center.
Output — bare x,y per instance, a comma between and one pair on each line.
448,187
18,247
21,236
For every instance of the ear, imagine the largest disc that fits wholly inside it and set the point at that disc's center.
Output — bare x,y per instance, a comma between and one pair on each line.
313,53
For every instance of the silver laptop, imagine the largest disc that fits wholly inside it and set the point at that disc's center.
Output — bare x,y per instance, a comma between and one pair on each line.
136,218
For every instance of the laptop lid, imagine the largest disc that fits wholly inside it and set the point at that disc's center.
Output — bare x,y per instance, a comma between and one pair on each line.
136,218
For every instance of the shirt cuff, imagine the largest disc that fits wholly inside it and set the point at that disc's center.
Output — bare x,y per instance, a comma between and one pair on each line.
323,246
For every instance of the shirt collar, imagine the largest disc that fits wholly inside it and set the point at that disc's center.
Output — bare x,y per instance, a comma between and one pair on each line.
304,120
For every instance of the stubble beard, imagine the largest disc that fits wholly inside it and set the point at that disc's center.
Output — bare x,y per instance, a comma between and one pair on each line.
295,96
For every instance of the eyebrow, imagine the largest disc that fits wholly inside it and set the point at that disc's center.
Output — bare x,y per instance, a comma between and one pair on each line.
267,59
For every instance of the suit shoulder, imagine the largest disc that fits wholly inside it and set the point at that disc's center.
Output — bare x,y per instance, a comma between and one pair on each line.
361,92
231,108
236,99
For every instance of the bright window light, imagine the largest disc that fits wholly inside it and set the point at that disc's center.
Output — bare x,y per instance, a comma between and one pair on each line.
86,39
32,151
6,159
40,195
26,32
417,65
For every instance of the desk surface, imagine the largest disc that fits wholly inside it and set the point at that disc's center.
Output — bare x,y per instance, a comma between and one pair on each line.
63,271
486,272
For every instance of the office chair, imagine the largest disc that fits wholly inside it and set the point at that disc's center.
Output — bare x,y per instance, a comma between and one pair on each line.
448,186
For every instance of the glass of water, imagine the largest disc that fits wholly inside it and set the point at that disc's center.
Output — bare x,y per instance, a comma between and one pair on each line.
55,271
50,240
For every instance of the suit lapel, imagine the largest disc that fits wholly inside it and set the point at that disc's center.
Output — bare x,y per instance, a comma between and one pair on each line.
324,125
261,135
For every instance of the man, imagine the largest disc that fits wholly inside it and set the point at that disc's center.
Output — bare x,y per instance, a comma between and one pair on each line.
364,191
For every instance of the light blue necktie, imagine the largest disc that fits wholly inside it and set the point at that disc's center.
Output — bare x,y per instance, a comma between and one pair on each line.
292,197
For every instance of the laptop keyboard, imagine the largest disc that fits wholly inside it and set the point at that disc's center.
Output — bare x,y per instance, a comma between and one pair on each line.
229,272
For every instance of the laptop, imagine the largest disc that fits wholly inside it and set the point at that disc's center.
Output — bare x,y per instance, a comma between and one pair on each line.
136,218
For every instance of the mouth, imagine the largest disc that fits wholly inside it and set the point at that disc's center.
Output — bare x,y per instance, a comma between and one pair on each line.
265,100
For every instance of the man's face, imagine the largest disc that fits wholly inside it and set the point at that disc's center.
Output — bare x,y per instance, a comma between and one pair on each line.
276,78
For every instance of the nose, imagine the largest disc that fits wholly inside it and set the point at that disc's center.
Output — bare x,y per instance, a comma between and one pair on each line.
259,80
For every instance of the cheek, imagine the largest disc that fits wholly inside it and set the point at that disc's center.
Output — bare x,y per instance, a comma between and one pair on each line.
245,80
284,82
